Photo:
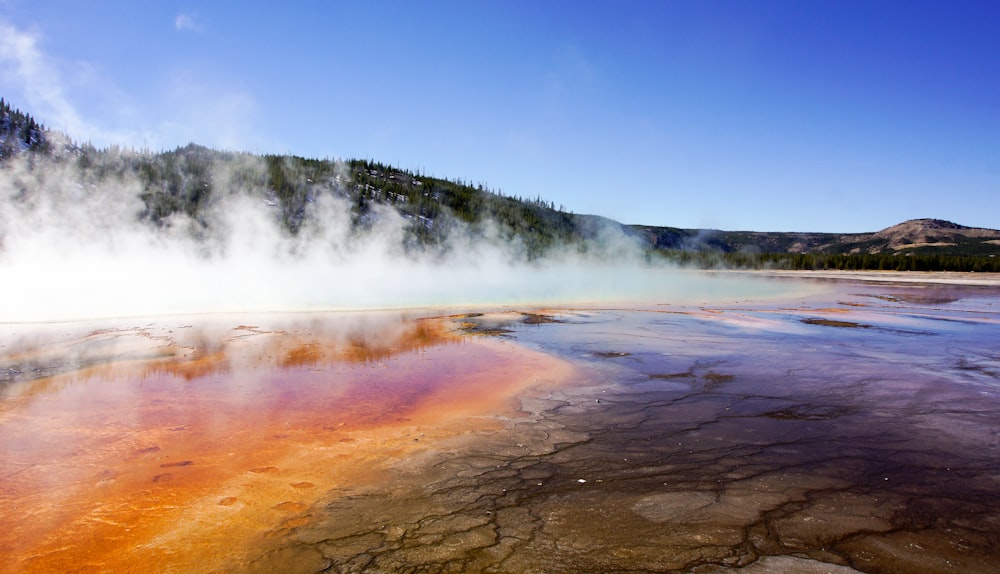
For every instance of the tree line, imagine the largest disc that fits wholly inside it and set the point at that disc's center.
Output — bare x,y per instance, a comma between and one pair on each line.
831,261
19,131
184,181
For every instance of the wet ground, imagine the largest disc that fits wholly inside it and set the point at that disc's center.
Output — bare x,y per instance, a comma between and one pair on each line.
850,428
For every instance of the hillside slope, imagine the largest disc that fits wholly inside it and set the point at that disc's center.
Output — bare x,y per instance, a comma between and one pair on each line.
189,181
182,191
917,236
923,236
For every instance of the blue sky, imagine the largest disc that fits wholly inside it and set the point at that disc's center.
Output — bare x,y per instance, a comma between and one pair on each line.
841,116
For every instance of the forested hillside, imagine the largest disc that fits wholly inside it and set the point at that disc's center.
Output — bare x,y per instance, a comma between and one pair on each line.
188,181
20,132
915,245
185,180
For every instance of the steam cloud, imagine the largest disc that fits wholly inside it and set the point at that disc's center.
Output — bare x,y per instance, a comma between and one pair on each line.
72,247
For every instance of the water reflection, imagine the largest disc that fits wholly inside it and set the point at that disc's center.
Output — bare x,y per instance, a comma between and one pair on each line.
711,439
850,428
174,445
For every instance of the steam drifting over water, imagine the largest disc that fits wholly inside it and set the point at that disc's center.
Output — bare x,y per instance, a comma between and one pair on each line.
759,436
74,246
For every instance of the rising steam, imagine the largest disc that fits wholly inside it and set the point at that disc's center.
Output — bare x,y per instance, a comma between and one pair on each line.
73,246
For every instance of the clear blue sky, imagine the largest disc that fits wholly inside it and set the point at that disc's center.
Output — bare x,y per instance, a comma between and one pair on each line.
775,116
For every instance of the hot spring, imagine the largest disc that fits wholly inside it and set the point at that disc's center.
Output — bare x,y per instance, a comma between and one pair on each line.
806,425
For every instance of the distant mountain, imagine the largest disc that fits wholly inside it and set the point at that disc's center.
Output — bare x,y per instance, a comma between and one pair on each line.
188,181
924,236
914,237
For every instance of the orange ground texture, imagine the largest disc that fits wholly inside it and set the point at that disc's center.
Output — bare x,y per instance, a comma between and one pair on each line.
179,450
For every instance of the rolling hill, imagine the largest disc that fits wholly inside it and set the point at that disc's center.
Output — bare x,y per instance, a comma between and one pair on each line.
189,181
913,237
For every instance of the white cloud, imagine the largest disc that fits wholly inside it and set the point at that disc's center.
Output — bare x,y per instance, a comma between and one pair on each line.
38,86
196,110
187,22
210,114
22,60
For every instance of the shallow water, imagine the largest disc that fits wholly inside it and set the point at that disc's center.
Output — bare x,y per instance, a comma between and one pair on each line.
849,428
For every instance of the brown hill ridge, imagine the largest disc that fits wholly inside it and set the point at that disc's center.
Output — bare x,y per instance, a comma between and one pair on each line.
933,232
916,236
921,235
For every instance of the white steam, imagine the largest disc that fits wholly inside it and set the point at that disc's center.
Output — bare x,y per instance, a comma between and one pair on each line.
75,248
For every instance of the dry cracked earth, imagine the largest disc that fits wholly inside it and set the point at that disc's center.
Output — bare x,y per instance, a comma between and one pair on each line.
852,429
857,436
